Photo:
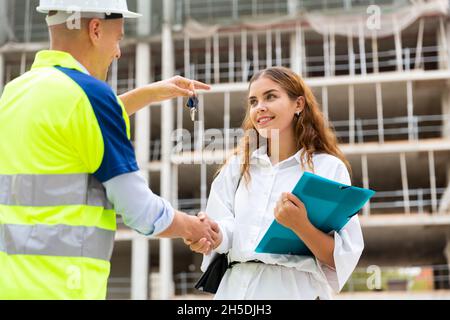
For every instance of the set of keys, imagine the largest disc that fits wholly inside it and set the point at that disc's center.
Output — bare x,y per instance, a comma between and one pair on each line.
192,104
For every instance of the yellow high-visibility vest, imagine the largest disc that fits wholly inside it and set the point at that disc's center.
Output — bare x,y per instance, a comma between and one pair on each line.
62,133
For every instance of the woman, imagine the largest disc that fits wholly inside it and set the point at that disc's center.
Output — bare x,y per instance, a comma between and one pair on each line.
253,188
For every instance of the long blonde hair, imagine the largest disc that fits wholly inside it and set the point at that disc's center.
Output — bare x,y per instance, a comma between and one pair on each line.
312,132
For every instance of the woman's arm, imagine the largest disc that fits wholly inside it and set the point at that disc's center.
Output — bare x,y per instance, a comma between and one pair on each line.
291,213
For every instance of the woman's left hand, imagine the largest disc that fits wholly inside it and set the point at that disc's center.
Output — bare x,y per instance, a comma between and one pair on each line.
291,212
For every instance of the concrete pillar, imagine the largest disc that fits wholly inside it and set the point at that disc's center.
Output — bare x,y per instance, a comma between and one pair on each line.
444,205
2,72
398,46
362,50
244,62
418,62
447,255
235,9
140,246
255,50
292,7
351,112
448,183
203,185
379,100
142,133
297,50
139,268
447,40
410,111
351,54
278,50
444,201
442,44
140,252
166,263
144,23
445,102
432,172
3,22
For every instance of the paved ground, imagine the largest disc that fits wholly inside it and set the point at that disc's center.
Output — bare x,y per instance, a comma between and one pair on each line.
397,295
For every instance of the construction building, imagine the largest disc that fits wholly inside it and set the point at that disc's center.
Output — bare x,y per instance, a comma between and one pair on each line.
380,69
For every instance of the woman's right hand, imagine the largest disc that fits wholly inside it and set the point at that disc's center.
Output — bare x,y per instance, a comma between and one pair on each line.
203,246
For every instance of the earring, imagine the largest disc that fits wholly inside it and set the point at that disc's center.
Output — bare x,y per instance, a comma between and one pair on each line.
298,113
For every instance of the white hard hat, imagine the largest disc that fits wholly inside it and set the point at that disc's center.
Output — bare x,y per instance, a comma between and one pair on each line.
91,6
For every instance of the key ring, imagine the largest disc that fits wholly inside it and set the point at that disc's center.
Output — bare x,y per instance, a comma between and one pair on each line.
192,104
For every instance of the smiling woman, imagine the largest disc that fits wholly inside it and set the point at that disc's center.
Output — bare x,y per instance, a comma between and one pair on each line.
292,138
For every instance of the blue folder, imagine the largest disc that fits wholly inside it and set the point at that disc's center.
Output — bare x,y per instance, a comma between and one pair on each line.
330,206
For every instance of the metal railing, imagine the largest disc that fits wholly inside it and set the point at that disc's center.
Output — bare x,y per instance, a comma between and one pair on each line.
316,66
190,206
155,150
346,5
205,73
411,278
213,10
185,283
398,128
419,199
365,130
387,62
408,279
372,279
119,288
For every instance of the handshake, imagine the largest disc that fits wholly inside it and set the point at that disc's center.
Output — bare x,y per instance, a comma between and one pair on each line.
204,234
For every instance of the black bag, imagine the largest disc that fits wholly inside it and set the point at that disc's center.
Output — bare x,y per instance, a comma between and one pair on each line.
210,280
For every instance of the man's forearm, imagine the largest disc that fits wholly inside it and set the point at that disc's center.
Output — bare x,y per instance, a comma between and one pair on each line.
139,98
160,91
181,227
139,207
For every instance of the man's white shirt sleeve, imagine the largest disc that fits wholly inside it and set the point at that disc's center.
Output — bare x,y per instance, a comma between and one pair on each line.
139,207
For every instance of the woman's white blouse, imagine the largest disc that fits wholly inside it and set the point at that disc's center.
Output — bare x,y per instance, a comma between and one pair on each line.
244,214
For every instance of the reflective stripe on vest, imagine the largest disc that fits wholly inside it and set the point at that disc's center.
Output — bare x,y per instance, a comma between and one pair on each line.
58,240
52,190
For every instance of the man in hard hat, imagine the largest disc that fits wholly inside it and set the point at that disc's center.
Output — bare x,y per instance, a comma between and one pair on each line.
67,164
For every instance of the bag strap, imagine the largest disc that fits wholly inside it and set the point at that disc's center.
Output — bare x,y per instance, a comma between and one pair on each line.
234,198
236,189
